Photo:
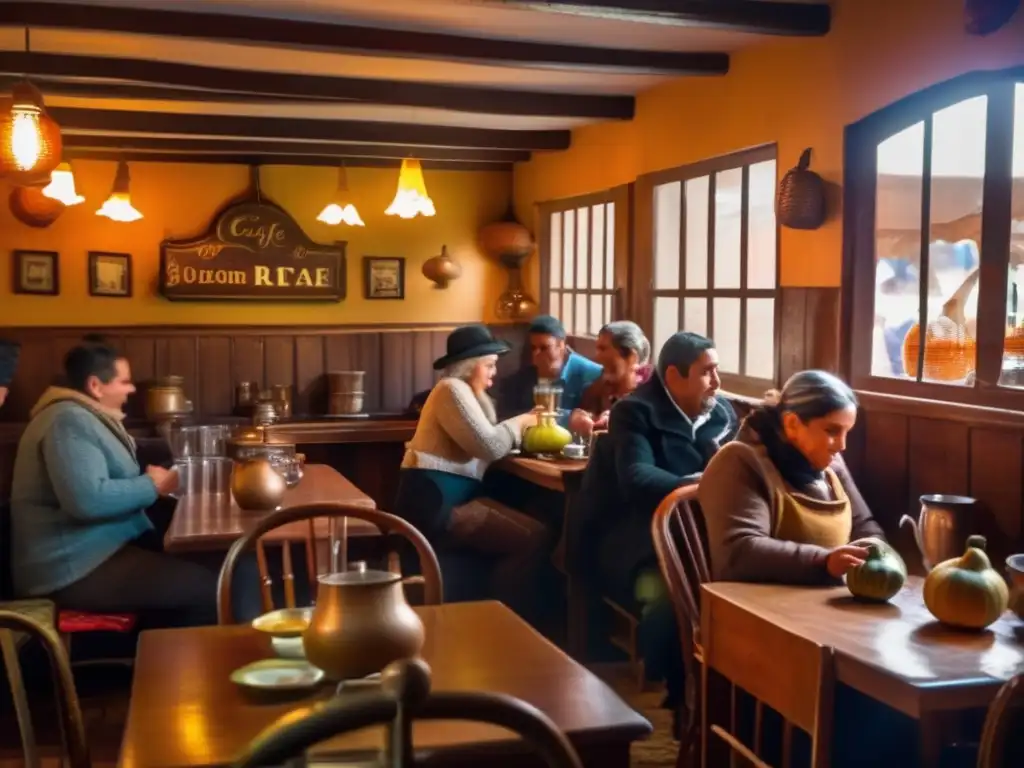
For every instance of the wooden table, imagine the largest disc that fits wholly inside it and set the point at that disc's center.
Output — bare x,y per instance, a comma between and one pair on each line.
895,653
547,473
212,522
186,713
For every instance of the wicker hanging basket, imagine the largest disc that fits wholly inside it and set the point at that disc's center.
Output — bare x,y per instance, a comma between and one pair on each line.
800,203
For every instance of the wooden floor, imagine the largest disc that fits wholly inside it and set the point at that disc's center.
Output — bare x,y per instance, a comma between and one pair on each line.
105,707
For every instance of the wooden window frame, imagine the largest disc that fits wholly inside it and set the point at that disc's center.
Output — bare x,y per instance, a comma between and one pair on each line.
622,197
644,292
859,262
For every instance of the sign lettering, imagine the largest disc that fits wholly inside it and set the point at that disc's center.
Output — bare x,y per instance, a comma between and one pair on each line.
253,251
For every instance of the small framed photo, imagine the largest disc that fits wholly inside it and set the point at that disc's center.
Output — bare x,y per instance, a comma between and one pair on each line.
37,272
110,274
384,277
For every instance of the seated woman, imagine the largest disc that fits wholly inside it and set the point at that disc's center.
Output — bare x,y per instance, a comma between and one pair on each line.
441,488
624,354
779,503
780,506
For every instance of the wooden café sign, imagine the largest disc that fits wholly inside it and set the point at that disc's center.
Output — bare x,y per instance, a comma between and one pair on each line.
254,251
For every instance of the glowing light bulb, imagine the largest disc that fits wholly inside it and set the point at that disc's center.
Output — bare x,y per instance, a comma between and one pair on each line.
335,213
411,198
26,140
118,207
62,186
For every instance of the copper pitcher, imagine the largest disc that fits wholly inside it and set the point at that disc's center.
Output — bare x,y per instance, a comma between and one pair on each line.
942,528
165,399
361,623
257,485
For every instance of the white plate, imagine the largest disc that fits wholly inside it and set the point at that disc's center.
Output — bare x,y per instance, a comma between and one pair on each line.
278,675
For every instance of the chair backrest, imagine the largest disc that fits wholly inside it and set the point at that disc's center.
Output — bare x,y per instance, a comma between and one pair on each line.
386,523
70,713
405,696
1002,738
680,543
799,684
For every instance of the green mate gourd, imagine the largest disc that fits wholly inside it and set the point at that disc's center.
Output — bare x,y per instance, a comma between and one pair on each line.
547,436
881,575
966,592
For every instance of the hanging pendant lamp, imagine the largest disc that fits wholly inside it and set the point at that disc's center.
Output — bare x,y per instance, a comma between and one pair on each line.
30,141
341,211
411,198
118,207
62,186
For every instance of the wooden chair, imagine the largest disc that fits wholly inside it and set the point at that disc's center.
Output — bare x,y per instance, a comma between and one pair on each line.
405,696
69,712
1002,732
799,684
680,542
334,514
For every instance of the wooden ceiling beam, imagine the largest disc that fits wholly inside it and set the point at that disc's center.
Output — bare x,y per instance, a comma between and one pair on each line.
142,78
763,17
364,132
359,40
85,153
292,148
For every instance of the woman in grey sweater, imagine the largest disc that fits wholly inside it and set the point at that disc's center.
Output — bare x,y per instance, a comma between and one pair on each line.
441,487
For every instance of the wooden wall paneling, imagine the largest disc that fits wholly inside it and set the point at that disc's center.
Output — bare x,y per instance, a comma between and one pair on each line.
808,330
357,352
309,395
883,477
515,336
176,355
247,360
279,360
141,354
397,357
214,384
996,466
35,373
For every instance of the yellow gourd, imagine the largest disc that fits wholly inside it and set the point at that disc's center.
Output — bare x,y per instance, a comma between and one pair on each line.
547,436
966,592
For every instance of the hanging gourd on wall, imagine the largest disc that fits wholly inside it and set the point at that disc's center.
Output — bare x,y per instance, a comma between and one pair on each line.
32,208
983,17
800,202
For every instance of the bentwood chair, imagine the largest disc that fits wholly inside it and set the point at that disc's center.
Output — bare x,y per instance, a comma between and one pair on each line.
1002,738
69,712
680,543
405,696
334,514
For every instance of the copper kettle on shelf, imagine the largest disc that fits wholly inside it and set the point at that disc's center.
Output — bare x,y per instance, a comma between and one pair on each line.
361,623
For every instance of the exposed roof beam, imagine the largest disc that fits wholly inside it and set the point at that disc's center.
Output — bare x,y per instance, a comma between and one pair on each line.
365,132
270,159
293,148
131,78
355,39
757,16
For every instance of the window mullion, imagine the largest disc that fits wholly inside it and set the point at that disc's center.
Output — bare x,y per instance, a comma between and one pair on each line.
996,222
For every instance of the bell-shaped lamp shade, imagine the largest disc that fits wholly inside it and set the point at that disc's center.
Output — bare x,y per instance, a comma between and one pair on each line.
118,207
411,199
62,186
30,141
341,211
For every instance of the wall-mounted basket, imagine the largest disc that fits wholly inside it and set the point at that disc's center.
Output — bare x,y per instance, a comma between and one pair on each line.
800,202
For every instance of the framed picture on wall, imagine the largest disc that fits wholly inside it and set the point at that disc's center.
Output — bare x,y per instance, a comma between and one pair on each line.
384,277
110,274
36,272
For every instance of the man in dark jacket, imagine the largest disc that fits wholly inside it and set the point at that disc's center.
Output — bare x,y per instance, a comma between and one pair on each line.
8,364
659,438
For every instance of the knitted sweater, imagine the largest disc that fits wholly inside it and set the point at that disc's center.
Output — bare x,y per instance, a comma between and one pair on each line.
77,496
459,432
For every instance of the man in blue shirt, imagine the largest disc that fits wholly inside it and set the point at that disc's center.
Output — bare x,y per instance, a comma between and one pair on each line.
551,360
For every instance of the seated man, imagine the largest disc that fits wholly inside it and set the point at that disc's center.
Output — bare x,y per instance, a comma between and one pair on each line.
553,361
78,521
8,364
660,438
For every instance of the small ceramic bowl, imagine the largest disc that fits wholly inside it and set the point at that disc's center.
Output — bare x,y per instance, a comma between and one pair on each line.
574,451
1015,570
286,622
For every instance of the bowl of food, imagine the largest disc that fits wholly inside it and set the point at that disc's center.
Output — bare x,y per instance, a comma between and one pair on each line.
286,622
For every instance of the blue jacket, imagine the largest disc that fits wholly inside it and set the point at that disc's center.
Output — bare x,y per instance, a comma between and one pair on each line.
651,449
77,496
515,392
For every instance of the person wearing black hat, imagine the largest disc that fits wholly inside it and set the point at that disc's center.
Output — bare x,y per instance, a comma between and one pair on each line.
551,360
9,351
441,489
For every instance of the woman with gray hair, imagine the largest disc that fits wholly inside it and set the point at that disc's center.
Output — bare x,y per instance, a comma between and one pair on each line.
779,503
441,488
624,354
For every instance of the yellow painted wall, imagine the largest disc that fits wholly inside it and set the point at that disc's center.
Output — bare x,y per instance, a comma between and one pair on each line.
180,201
794,92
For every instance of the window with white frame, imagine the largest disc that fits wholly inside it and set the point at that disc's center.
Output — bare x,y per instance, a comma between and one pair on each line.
715,261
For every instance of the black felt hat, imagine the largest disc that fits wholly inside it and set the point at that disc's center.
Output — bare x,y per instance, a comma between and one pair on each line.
470,341
8,361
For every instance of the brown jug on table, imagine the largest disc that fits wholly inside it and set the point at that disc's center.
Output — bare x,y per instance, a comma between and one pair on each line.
361,623
942,527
